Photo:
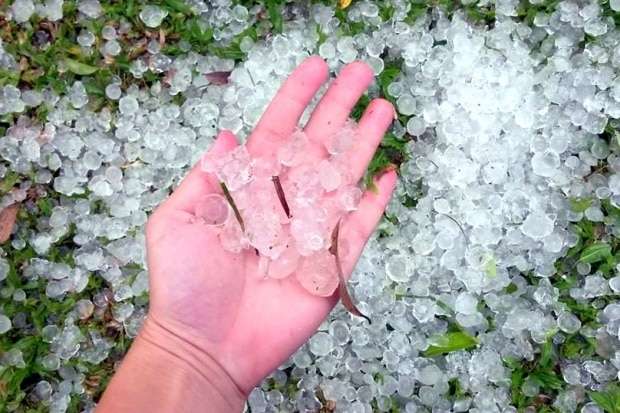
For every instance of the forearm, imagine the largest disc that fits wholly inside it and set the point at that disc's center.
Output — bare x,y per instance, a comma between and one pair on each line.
163,373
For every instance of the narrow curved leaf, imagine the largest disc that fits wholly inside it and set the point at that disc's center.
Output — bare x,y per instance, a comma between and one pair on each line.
343,292
450,342
596,252
79,68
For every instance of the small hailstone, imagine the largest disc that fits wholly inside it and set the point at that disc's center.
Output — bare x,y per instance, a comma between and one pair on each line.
152,16
329,175
285,264
14,357
327,50
615,5
86,38
614,283
111,48
466,303
212,209
317,274
19,295
128,105
78,95
424,309
429,375
545,164
32,98
84,309
350,197
59,217
50,362
113,91
4,268
108,32
343,139
5,324
292,152
22,10
568,322
90,8
397,268
537,225
416,126
240,13
321,344
43,390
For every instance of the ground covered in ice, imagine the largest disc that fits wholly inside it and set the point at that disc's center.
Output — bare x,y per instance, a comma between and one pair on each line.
493,281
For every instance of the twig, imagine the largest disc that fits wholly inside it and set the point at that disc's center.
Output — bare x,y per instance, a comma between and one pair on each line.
281,197
232,204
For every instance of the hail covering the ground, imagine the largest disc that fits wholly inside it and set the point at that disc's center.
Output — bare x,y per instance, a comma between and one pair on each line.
505,124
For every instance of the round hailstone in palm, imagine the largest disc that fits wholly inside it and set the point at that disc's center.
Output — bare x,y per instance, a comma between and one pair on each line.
329,176
317,274
286,263
259,192
264,232
293,152
342,140
232,237
235,168
265,168
350,197
213,209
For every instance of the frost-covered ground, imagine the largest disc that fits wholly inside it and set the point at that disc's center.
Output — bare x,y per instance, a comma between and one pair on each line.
492,283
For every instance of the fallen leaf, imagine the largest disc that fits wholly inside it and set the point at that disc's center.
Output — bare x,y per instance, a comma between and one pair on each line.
79,68
218,78
449,342
7,221
343,292
596,252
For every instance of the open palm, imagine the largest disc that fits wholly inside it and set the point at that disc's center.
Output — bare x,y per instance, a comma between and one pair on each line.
217,300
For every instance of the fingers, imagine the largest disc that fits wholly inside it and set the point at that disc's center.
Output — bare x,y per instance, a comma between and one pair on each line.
375,121
283,113
199,183
359,225
334,108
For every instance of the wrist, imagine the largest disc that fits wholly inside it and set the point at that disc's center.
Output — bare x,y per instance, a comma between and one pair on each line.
192,365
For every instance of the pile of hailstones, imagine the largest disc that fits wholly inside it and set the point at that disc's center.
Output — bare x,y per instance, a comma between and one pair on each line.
287,207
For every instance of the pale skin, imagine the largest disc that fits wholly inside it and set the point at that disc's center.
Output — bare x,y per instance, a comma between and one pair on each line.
215,326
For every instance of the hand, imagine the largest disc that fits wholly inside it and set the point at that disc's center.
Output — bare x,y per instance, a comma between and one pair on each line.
215,300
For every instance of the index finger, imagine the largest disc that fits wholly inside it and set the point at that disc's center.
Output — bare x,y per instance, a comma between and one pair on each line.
283,113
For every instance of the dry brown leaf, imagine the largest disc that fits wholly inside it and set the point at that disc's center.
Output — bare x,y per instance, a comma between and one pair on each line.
343,292
7,221
218,78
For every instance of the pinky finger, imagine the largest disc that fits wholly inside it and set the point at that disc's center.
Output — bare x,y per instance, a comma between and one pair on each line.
359,225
